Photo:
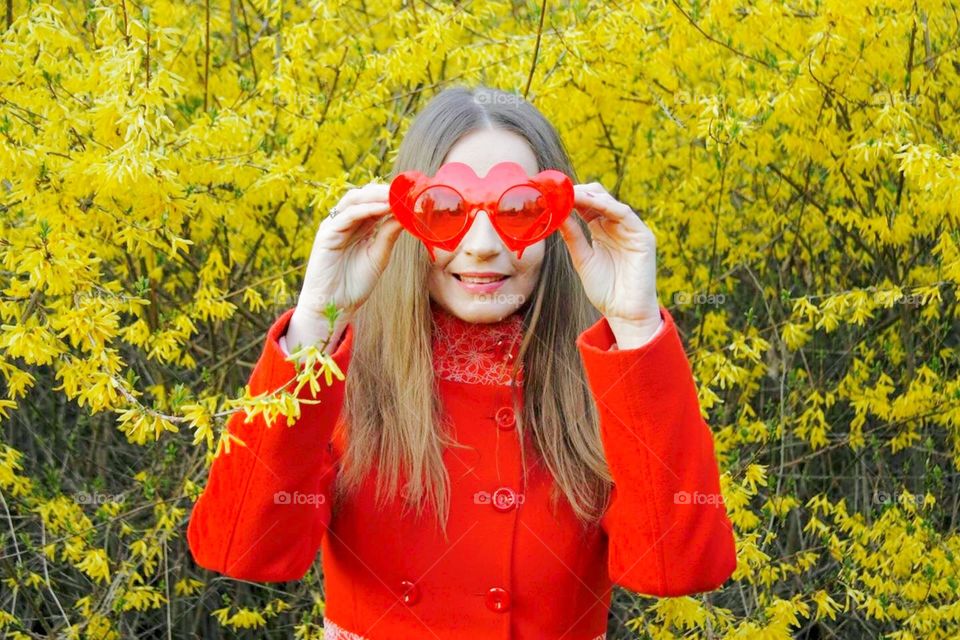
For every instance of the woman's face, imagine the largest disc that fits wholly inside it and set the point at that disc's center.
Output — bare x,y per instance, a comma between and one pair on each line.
482,250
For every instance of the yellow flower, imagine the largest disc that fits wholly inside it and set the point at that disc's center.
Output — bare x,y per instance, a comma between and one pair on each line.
96,565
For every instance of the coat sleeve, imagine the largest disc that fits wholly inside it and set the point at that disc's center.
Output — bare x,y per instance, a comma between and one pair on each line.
667,528
267,505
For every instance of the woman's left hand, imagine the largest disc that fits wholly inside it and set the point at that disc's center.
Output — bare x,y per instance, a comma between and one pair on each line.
619,268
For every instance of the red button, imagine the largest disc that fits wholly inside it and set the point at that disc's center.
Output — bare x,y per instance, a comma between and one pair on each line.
411,592
498,600
504,499
505,418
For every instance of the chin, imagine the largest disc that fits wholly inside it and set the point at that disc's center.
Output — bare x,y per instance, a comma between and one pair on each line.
477,309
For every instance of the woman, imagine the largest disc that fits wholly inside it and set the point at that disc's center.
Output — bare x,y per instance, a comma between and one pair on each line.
434,521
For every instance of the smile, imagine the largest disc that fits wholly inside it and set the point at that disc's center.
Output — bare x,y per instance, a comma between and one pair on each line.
481,283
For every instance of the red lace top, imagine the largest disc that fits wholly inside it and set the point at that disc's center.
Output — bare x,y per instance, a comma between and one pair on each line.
473,352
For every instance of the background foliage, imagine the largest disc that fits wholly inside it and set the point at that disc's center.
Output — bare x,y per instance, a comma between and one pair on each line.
163,165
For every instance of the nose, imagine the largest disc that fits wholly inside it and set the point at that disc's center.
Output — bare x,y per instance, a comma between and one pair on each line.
482,240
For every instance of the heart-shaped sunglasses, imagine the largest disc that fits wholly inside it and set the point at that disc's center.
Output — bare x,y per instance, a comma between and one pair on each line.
439,210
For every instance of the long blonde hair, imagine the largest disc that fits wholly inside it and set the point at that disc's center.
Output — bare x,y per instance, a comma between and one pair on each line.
391,410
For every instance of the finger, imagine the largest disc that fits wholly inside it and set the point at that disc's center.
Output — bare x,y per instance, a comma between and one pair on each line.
585,201
370,192
365,230
594,205
594,188
353,216
576,241
588,213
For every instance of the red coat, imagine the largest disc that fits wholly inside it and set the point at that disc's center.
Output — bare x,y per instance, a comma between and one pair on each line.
511,569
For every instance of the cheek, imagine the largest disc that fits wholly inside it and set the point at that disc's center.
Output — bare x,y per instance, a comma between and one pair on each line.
435,280
529,268
437,277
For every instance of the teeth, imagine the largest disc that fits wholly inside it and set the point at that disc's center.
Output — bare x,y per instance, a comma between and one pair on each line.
483,280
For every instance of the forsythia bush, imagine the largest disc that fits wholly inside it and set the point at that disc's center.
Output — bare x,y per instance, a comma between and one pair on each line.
163,166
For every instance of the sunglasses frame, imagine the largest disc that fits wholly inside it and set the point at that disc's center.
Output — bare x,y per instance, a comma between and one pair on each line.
481,194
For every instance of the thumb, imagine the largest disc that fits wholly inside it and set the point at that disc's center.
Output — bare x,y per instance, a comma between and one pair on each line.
577,243
383,241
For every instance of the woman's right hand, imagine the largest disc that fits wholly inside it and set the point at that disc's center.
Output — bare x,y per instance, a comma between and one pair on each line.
350,252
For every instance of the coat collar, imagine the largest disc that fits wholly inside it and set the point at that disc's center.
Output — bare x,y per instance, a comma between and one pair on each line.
475,352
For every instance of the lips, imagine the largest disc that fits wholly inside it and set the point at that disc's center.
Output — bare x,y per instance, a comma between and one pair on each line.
480,282
479,279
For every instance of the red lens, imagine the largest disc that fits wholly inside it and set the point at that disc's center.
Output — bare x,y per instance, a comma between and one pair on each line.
439,213
522,213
